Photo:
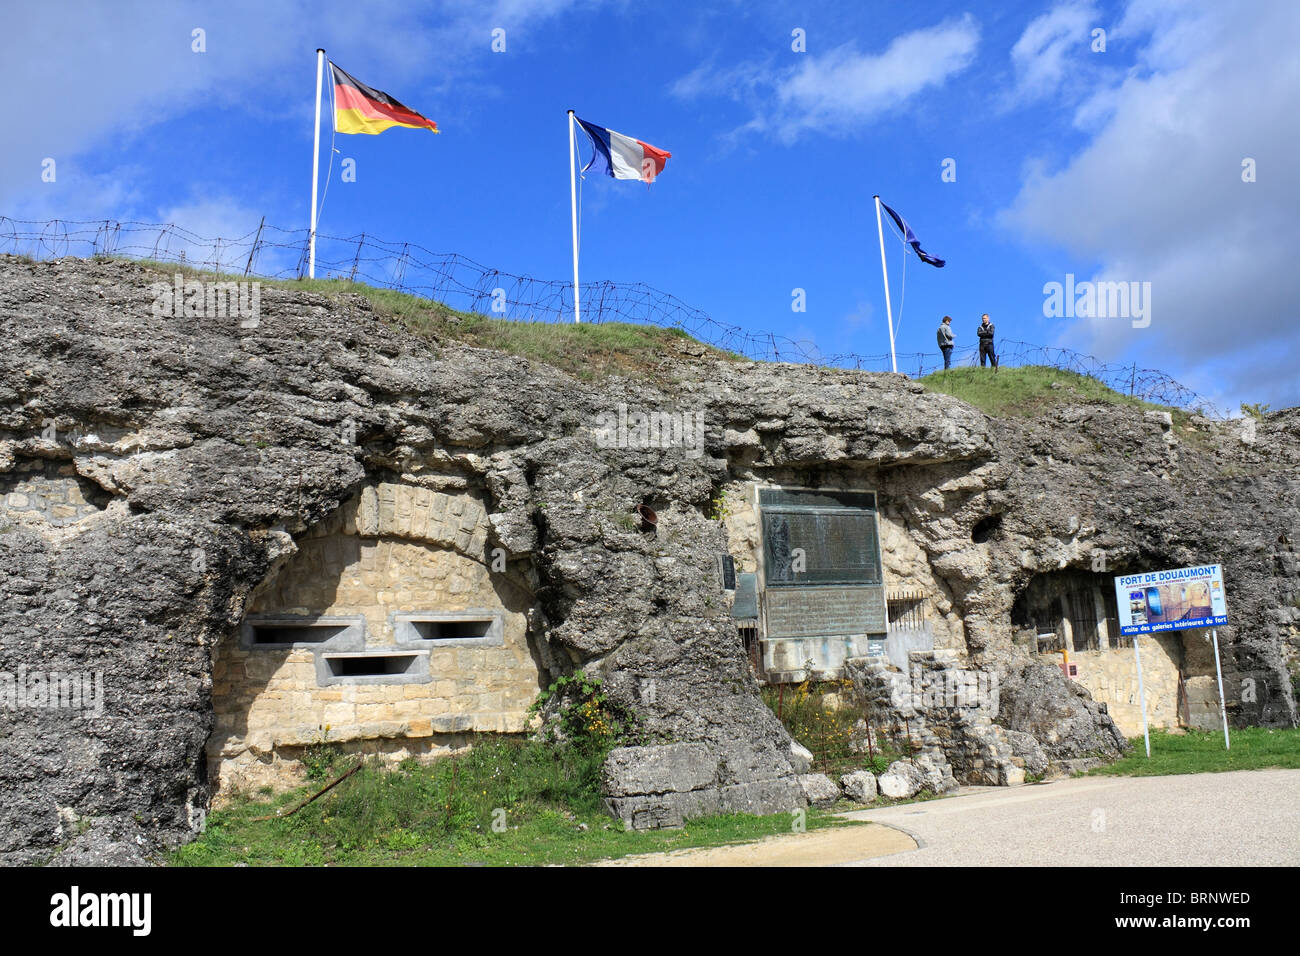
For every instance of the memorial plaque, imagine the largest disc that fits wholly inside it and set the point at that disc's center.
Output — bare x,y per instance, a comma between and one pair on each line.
821,563
801,499
837,548
825,611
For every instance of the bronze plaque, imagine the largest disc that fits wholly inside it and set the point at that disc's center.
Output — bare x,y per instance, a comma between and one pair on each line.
824,611
822,570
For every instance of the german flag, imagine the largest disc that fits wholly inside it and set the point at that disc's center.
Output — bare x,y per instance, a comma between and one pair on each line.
360,109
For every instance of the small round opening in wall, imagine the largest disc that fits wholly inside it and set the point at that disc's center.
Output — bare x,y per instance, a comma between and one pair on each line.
985,528
649,520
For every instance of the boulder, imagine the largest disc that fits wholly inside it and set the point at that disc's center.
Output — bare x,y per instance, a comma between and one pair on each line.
668,768
936,772
820,790
901,781
1027,749
1036,699
801,757
859,786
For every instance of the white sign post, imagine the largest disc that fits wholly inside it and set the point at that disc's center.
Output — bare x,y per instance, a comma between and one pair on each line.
1142,696
1174,600
1223,705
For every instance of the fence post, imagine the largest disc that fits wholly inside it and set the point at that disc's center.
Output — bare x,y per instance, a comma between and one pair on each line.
400,273
1133,381
352,276
253,251
159,240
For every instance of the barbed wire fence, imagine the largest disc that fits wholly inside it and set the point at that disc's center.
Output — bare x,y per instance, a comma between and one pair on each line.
458,282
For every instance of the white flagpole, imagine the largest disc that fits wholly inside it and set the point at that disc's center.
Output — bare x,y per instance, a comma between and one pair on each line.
573,217
884,272
315,168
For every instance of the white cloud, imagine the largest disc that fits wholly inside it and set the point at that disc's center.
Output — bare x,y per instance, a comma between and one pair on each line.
226,219
111,72
1041,56
1157,194
840,89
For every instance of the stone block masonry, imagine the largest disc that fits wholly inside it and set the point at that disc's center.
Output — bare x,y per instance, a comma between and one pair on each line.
393,553
49,491
1111,677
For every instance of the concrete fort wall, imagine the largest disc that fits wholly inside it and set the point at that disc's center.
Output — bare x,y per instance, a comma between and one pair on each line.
388,631
1111,677
905,565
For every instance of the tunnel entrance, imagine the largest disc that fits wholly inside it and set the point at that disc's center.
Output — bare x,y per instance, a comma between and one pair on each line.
1069,610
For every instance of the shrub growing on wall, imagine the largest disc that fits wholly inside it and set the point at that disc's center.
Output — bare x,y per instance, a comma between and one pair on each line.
576,711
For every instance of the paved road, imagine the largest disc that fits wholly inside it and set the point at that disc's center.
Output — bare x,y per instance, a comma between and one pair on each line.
1246,817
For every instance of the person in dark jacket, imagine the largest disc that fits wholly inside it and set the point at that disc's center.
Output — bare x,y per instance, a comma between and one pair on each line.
985,332
945,340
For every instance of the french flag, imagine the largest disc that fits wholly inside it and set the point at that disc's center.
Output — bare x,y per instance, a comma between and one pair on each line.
623,157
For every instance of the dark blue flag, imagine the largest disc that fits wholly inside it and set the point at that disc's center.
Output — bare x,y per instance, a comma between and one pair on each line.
910,237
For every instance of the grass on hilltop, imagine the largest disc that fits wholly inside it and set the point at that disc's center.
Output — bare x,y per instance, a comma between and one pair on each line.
587,351
1027,389
544,801
1199,751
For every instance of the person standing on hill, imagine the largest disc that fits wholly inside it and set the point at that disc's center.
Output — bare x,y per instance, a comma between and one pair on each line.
985,333
945,340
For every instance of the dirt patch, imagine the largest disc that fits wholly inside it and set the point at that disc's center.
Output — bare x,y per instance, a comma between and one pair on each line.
819,848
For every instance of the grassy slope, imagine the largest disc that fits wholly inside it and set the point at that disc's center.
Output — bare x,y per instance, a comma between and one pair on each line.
443,814
595,350
587,351
1027,389
1253,748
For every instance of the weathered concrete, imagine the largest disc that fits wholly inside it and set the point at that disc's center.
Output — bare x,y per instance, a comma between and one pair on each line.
216,449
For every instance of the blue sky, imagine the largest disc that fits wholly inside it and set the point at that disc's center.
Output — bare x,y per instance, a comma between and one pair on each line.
1123,164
